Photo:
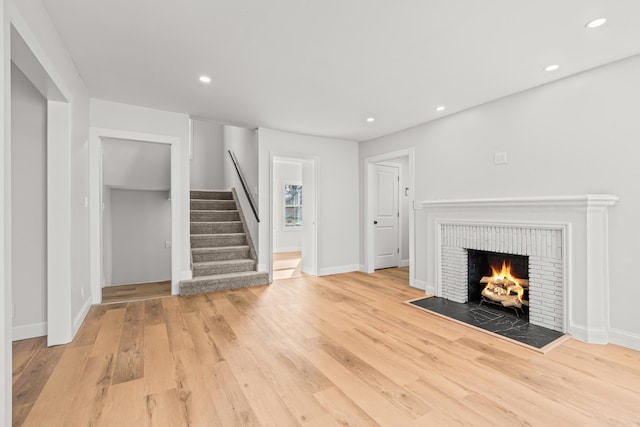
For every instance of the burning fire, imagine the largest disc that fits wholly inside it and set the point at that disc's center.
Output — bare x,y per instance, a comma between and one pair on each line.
504,288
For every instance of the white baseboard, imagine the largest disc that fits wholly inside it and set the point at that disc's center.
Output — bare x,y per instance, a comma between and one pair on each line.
29,331
582,333
420,284
77,322
262,268
287,249
338,270
186,275
404,263
362,268
624,338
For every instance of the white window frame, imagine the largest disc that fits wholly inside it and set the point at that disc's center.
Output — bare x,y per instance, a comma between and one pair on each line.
286,227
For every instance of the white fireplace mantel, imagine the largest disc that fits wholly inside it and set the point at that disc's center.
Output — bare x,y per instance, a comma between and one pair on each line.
585,221
588,200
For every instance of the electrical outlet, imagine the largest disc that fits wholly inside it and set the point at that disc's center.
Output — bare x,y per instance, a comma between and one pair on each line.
86,202
82,293
500,158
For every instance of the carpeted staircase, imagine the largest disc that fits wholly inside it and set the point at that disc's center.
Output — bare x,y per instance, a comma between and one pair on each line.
222,253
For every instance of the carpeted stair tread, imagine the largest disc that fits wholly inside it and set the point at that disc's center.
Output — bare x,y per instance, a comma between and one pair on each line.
219,249
220,282
209,268
228,261
215,222
211,195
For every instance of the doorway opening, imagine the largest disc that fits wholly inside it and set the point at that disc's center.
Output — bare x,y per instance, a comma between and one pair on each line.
136,220
136,193
388,214
293,216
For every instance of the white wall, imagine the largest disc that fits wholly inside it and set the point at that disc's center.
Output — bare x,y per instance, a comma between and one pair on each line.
5,220
29,207
244,144
207,155
32,21
131,118
337,220
578,135
140,226
285,239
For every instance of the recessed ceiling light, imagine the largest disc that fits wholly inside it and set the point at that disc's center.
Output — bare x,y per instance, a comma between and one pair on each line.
551,67
371,119
441,108
205,79
596,23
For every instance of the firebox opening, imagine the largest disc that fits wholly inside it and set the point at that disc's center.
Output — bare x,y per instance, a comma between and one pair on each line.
502,277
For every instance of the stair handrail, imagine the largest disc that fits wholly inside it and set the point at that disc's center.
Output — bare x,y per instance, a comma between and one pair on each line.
243,181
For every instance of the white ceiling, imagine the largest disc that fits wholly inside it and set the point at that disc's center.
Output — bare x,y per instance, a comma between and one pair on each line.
136,165
321,67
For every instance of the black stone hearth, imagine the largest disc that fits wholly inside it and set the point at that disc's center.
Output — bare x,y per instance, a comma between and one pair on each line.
492,319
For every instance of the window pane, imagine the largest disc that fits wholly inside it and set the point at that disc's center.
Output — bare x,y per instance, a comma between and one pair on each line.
293,195
293,216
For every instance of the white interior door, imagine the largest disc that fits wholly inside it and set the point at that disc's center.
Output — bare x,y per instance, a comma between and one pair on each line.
385,216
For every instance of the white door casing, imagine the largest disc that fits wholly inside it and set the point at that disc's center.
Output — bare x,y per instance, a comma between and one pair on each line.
309,218
386,216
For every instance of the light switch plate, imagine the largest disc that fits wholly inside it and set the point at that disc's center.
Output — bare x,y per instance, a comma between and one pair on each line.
500,158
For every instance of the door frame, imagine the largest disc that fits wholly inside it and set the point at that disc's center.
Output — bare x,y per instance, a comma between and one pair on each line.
95,203
368,234
315,161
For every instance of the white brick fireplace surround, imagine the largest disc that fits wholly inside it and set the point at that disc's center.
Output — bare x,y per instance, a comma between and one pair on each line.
565,237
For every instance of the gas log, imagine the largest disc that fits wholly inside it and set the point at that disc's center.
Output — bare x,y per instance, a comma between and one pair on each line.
503,291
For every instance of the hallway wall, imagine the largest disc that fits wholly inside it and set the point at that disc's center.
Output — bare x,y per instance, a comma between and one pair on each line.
28,207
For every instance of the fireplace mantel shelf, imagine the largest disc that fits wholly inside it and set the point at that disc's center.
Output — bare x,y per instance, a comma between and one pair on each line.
587,200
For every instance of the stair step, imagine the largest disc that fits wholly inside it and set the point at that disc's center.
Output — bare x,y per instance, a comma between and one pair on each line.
217,240
216,227
222,253
215,215
211,195
215,205
222,267
221,282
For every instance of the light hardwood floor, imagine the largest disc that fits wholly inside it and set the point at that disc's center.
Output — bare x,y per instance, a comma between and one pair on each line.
136,292
287,265
332,351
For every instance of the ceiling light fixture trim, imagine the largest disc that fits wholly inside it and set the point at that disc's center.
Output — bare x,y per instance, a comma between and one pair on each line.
595,23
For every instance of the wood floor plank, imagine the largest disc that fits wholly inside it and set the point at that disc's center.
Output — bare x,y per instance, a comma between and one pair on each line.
60,389
23,352
159,372
130,357
90,399
339,350
108,336
374,404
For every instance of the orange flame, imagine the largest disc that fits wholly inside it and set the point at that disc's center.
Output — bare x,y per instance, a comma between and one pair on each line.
505,274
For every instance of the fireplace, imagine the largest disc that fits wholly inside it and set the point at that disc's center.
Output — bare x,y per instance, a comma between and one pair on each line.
541,246
565,238
500,280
